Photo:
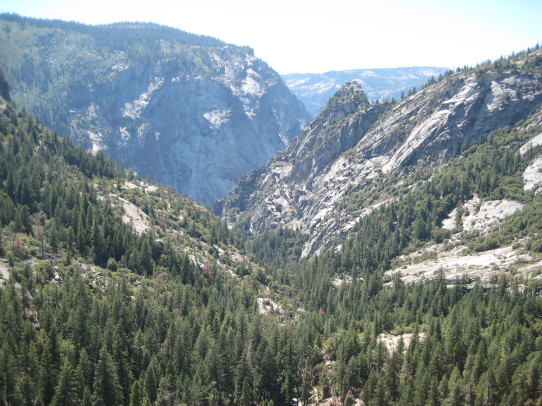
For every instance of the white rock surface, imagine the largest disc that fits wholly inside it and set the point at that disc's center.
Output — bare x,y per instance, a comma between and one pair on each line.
134,216
454,264
532,177
268,306
489,215
217,118
4,271
195,114
392,340
536,141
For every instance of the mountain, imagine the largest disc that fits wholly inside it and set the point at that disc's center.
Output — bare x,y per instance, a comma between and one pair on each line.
188,111
356,157
315,89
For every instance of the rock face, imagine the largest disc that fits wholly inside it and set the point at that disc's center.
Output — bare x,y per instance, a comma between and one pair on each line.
188,111
280,192
533,176
315,89
351,144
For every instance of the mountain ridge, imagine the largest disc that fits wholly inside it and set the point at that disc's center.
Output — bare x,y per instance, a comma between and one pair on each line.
190,112
117,291
423,130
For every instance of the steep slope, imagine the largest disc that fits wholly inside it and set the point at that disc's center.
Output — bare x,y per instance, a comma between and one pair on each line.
325,195
63,204
315,89
338,128
188,111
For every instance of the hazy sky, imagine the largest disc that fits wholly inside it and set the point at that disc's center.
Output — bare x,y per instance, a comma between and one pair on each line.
318,36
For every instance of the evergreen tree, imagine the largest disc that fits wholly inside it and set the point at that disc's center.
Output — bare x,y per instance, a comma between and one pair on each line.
135,394
9,393
456,396
245,398
106,386
68,389
87,397
49,366
166,395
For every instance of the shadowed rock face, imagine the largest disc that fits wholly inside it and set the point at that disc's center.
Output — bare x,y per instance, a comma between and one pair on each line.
190,112
350,144
198,134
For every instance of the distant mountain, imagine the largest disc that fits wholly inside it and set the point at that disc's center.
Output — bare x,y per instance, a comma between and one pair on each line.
355,157
315,89
188,111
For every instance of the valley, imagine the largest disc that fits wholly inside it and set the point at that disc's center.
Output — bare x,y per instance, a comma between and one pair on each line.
386,252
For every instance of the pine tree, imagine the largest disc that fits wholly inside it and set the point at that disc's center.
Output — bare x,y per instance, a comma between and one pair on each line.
85,368
49,366
150,382
2,251
166,395
486,389
9,394
246,394
394,370
68,389
135,394
87,397
81,239
456,395
106,384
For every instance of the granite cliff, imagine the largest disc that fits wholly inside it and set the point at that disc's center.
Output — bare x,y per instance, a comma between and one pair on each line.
188,111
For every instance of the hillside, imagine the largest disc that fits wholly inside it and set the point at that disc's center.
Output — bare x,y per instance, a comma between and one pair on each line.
315,89
76,231
187,111
115,291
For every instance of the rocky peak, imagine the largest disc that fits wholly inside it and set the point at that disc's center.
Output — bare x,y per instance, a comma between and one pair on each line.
289,177
338,127
348,99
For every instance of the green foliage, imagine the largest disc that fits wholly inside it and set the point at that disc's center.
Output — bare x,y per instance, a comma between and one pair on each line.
55,191
68,390
107,390
491,170
525,223
277,247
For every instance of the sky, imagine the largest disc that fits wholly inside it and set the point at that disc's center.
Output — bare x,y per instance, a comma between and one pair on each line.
315,36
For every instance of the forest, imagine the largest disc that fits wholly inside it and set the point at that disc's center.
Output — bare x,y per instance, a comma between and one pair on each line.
93,312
